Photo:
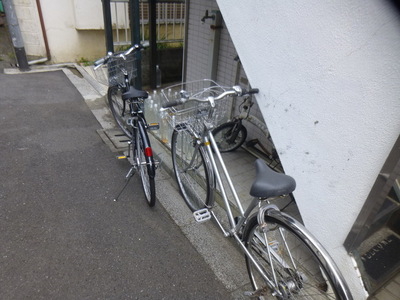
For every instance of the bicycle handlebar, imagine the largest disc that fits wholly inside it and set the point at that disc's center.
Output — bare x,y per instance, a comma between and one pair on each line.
134,48
235,91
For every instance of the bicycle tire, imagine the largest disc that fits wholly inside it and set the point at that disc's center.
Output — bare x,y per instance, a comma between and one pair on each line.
145,164
197,183
116,104
315,276
230,136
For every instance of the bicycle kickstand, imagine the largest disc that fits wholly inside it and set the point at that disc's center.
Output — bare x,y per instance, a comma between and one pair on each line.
128,177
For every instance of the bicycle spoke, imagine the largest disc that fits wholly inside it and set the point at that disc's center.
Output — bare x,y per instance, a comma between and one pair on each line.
191,170
279,259
144,164
229,136
119,112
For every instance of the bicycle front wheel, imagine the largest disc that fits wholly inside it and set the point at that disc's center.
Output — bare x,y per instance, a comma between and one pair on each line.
119,109
146,166
297,265
230,136
192,169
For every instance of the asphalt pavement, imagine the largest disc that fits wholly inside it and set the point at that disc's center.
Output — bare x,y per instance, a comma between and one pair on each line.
62,235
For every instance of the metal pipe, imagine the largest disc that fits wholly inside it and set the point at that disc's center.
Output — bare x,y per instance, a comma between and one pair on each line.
153,42
108,25
225,170
16,36
37,61
215,37
185,48
135,38
116,21
46,41
219,180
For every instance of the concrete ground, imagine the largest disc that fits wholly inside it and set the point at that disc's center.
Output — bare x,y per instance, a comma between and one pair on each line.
233,275
63,236
7,57
206,239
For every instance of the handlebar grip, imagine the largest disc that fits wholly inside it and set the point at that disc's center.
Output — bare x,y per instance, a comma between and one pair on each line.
99,61
239,91
249,92
173,103
253,91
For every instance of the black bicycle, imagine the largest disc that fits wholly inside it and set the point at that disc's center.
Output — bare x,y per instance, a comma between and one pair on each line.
126,104
232,134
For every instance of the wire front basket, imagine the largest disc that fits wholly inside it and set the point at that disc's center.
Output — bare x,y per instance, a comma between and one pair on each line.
117,66
192,112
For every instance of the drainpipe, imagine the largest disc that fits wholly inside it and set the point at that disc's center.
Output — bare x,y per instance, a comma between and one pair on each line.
46,42
16,36
215,37
185,46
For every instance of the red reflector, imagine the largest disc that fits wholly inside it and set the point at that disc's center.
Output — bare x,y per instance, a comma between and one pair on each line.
148,152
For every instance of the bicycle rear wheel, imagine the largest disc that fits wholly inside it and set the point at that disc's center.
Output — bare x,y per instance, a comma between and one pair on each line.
230,136
302,268
146,167
118,110
192,169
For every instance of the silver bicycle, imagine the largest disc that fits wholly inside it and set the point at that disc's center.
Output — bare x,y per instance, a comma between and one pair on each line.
284,260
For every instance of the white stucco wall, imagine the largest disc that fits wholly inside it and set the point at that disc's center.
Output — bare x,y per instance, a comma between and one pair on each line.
328,74
74,28
69,39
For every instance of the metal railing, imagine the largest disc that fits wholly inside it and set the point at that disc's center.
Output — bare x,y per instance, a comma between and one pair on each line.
170,21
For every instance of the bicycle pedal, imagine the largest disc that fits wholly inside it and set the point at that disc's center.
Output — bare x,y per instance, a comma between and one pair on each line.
122,157
157,164
202,215
153,126
159,161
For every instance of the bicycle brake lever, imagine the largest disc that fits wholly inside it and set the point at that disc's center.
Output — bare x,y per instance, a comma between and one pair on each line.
238,90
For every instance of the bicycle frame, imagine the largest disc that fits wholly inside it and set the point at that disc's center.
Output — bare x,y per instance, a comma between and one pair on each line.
125,87
206,139
262,233
139,124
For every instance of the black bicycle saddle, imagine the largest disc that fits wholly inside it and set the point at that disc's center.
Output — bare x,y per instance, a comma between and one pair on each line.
269,183
134,93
